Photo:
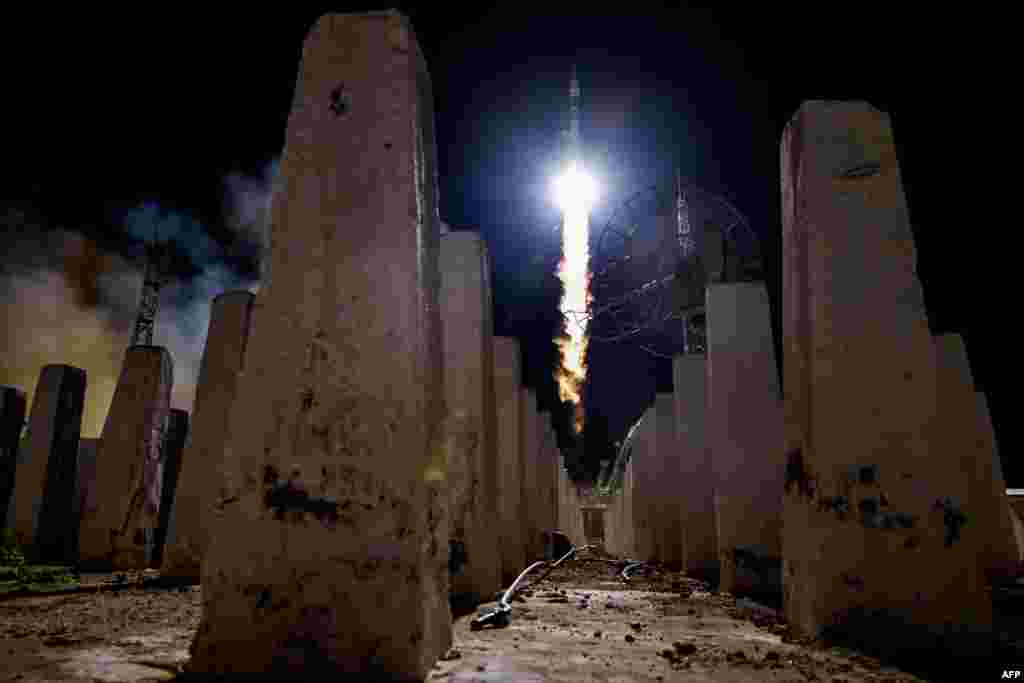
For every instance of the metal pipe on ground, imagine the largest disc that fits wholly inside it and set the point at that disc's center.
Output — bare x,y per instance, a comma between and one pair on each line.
499,616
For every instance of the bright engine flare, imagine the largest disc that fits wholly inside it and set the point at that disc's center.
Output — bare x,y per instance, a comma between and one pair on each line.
575,190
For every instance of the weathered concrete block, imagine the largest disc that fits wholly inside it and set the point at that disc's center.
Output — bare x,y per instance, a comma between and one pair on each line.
85,501
564,504
745,436
507,374
965,434
665,497
47,459
174,444
200,482
120,533
12,419
696,492
544,496
629,519
531,444
1014,502
873,512
326,555
570,516
645,471
989,434
629,513
469,391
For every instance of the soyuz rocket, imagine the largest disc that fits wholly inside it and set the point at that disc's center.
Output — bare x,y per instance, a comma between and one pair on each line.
571,150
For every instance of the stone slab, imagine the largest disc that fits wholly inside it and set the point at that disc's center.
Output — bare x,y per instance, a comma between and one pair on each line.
965,434
12,420
120,533
85,501
174,443
200,482
469,391
546,473
327,554
667,512
645,472
700,540
531,444
744,436
872,516
507,377
47,460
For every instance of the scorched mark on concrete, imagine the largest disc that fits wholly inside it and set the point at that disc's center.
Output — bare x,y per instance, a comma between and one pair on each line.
286,495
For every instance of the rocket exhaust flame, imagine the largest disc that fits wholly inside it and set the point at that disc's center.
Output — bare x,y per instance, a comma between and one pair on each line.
575,192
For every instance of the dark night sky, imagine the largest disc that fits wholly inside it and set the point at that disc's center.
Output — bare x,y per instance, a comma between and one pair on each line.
110,111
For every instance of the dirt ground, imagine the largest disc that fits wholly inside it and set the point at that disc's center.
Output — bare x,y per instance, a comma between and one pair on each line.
581,624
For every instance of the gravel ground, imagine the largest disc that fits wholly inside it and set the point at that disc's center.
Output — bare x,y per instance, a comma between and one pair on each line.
583,623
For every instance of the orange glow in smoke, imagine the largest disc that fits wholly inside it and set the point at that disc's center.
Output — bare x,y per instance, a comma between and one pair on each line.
575,192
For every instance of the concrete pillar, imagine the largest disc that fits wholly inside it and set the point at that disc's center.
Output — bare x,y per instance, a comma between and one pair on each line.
666,500
507,374
1014,501
645,473
327,554
617,528
120,533
872,512
531,446
12,419
569,515
696,489
552,477
545,472
563,504
85,501
200,482
545,455
989,434
965,434
469,389
744,422
575,513
174,444
45,477
628,524
610,523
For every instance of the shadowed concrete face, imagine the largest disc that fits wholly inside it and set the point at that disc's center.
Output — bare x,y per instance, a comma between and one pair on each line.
469,392
47,459
700,542
624,530
507,373
873,516
129,472
644,473
965,433
174,443
544,497
1014,503
12,419
744,436
665,499
531,444
85,494
328,552
565,505
200,481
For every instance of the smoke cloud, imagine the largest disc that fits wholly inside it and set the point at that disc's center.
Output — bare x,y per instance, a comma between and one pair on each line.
52,318
65,299
247,207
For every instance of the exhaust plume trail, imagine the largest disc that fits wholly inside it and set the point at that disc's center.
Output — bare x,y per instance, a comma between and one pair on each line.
575,191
